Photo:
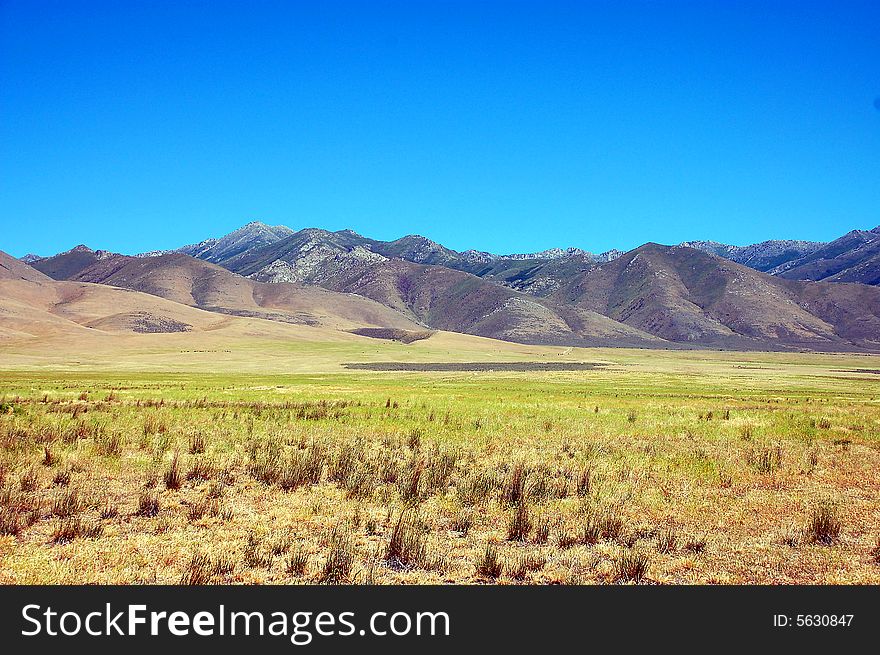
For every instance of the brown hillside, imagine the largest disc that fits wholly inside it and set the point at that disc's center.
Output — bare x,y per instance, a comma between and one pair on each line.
197,283
689,296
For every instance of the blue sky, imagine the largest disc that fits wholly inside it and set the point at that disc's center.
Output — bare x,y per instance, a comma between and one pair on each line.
500,126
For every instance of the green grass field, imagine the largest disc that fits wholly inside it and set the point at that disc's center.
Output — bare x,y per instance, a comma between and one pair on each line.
661,467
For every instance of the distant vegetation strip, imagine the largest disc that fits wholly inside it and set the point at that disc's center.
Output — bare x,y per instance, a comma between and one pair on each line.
394,334
475,366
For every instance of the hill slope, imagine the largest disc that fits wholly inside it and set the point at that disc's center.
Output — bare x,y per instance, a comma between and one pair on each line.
66,265
688,296
252,235
764,256
189,281
654,296
854,257
389,293
447,299
34,305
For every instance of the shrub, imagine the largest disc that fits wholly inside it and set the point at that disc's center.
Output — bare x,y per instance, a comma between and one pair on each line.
407,547
344,465
408,484
630,566
695,545
29,480
824,526
201,507
520,523
108,444
513,490
525,564
197,571
304,468
566,539
463,522
583,483
282,544
610,524
360,484
371,526
173,477
765,460
148,504
215,489
154,425
590,531
414,440
109,510
338,565
542,529
440,467
490,566
666,540
792,537
70,528
66,504
475,488
197,444
10,523
203,570
255,556
200,469
297,563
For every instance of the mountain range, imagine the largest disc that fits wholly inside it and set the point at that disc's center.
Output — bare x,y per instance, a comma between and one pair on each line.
775,295
279,254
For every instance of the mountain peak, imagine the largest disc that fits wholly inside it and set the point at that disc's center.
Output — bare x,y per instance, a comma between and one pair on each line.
418,239
251,235
80,248
318,232
260,227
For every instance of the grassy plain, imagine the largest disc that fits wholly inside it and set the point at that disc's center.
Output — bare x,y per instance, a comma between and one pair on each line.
150,460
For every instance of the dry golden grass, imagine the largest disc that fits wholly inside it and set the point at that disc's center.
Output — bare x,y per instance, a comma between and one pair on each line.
660,468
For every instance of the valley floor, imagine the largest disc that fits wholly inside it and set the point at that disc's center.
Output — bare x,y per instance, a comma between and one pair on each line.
139,463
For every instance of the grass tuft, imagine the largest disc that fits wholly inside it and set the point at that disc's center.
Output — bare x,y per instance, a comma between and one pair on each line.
520,523
630,566
297,563
490,565
407,546
148,504
667,540
338,566
824,525
70,528
173,476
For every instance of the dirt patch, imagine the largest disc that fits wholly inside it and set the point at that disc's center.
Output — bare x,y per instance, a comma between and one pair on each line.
872,371
475,366
294,318
394,334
